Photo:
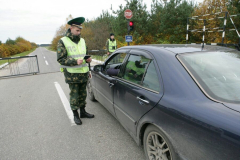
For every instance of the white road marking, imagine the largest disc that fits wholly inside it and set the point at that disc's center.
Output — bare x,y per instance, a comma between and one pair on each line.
44,57
65,103
46,62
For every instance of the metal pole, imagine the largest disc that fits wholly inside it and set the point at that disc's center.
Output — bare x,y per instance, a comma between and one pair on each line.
204,27
225,23
17,67
37,64
234,27
128,29
187,31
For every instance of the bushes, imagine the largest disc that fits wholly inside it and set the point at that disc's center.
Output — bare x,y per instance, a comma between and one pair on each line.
12,47
55,42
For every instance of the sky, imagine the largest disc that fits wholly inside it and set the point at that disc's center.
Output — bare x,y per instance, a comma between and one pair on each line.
38,21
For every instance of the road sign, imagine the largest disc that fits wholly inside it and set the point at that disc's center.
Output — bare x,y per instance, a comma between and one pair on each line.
128,14
128,38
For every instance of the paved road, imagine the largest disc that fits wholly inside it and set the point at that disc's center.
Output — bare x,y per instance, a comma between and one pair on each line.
35,125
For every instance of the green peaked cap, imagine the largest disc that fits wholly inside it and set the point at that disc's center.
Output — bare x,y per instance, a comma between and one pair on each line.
77,21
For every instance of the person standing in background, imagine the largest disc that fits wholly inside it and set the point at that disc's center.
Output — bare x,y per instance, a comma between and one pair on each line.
111,44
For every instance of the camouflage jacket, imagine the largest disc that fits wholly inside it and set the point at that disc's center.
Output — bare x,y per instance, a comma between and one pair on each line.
63,59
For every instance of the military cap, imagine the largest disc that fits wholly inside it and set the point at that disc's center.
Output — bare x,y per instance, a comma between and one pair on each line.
111,34
77,22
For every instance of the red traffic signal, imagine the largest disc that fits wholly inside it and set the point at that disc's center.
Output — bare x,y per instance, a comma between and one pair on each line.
131,25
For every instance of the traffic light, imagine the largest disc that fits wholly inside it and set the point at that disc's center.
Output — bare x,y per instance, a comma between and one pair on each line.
131,25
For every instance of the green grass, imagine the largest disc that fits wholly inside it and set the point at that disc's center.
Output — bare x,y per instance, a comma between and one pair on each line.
20,54
50,49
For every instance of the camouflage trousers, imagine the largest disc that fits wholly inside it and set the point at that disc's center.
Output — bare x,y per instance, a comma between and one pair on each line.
78,95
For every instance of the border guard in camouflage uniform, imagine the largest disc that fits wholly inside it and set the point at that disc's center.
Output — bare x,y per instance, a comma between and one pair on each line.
71,50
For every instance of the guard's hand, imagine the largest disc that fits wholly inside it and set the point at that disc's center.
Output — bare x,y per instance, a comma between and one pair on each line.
89,60
79,61
90,75
107,53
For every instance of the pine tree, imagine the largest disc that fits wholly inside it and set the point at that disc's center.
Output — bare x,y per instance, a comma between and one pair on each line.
169,20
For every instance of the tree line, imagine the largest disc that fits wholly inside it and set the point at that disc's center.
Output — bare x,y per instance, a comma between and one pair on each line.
13,47
165,23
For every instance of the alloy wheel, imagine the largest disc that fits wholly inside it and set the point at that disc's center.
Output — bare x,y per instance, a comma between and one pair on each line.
157,147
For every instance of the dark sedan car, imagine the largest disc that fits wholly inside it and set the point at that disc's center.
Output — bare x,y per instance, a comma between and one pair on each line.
178,101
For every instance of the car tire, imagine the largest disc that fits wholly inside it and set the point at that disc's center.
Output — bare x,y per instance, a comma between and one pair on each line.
157,145
90,91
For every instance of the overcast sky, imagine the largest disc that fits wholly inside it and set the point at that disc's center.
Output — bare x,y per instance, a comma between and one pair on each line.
37,21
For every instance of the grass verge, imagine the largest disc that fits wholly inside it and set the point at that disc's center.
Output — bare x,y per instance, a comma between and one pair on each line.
50,49
16,55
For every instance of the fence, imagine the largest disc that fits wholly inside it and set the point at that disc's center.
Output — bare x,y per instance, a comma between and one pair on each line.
215,29
17,66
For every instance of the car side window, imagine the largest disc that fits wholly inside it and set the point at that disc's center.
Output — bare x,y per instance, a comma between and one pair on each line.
114,64
117,59
135,68
151,79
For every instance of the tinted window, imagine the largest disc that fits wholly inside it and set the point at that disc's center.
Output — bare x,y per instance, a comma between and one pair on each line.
135,68
151,80
117,58
115,62
218,73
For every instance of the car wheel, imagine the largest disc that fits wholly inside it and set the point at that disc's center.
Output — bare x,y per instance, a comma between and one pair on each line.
90,92
156,145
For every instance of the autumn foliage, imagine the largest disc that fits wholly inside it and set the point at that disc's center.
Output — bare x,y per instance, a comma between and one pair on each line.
215,22
165,23
13,47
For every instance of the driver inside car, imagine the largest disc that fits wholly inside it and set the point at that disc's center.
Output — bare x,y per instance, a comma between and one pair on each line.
134,71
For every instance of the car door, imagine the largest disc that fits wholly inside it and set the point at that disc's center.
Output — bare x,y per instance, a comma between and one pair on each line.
104,83
137,90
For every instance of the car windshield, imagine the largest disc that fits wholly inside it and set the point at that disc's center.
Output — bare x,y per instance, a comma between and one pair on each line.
217,73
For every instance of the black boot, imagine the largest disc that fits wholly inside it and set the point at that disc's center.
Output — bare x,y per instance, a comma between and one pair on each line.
76,118
84,114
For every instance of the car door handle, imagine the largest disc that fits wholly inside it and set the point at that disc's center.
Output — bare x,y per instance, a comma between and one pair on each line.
110,84
145,101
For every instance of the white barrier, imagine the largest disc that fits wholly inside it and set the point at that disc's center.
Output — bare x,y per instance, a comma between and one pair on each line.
3,65
97,61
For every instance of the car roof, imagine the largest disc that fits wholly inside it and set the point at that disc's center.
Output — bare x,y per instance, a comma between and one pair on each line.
179,48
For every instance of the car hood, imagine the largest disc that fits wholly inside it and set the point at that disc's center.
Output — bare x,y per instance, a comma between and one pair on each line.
233,106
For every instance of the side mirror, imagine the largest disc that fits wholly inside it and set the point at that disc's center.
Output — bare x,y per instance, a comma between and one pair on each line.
97,68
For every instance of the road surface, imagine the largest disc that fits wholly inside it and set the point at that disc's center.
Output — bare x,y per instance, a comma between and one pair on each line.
35,125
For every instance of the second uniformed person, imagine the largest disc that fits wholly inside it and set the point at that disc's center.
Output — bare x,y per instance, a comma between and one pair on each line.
111,44
71,50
